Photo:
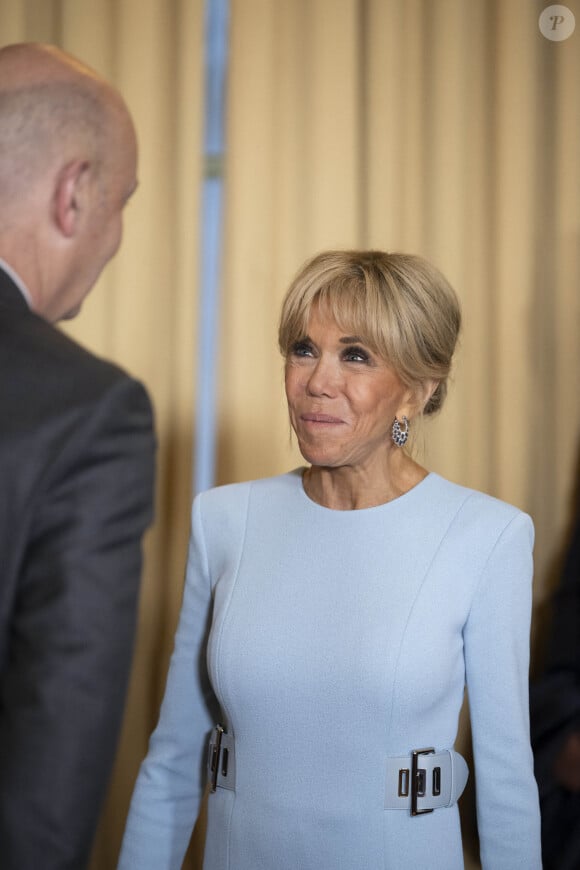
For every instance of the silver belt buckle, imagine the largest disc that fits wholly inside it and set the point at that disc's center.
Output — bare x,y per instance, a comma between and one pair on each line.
418,780
214,757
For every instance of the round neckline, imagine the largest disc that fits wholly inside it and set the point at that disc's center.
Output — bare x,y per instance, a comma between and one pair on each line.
397,501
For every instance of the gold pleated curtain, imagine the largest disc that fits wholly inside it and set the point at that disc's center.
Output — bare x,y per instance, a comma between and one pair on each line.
142,314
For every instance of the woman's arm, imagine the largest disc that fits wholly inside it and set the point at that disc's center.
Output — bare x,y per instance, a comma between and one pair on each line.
169,787
496,638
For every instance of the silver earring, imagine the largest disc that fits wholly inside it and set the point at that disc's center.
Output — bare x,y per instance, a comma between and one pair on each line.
400,434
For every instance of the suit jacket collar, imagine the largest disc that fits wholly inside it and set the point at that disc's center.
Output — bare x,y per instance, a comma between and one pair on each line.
10,295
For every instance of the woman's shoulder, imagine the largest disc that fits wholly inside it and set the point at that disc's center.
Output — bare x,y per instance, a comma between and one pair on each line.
476,507
223,514
236,494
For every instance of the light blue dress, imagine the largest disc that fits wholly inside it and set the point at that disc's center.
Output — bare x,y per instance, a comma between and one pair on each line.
325,641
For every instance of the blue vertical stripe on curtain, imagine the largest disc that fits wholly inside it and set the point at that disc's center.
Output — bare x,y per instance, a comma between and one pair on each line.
217,19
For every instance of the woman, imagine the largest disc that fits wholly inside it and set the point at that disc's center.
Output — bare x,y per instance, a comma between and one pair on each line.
333,615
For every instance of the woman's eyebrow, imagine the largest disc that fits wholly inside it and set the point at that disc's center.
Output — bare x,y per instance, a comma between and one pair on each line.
352,339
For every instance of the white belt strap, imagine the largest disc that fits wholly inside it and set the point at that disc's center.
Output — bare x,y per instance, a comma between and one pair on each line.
419,782
425,780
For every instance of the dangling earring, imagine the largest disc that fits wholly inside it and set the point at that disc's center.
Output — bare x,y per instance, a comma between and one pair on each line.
398,434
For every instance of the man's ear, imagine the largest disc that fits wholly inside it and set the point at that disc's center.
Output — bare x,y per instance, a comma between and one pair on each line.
69,196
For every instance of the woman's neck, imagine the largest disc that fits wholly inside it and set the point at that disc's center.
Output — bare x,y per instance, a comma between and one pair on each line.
349,488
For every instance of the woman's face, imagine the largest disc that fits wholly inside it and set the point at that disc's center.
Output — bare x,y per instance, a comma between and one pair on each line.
342,397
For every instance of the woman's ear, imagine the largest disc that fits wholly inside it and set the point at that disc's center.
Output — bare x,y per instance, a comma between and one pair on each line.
418,396
425,392
70,196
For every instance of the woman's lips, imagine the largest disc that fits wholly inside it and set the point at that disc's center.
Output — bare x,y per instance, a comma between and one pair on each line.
320,418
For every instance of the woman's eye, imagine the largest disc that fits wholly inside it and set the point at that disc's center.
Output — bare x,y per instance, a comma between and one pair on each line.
356,354
301,348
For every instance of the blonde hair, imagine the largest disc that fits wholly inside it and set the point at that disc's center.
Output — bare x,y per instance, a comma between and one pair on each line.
399,304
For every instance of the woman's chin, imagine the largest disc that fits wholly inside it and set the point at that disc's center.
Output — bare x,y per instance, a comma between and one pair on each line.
322,458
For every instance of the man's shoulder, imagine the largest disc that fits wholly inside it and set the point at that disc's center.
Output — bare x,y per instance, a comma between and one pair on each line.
39,356
53,388
62,408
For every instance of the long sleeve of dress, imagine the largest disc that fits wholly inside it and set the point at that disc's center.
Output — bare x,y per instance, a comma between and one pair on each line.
496,639
170,784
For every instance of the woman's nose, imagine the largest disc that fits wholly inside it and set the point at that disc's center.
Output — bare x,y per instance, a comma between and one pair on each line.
323,378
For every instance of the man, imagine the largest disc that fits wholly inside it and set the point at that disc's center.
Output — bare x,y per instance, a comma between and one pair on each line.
76,459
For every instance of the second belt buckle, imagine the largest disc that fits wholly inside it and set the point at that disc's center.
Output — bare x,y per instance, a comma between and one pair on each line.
418,780
214,760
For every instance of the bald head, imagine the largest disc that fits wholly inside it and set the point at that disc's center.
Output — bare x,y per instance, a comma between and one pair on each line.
52,107
60,122
28,63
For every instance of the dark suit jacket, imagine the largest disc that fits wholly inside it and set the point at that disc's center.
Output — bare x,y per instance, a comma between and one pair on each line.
76,480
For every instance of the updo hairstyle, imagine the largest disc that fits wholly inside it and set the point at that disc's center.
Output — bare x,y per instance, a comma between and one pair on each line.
400,305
